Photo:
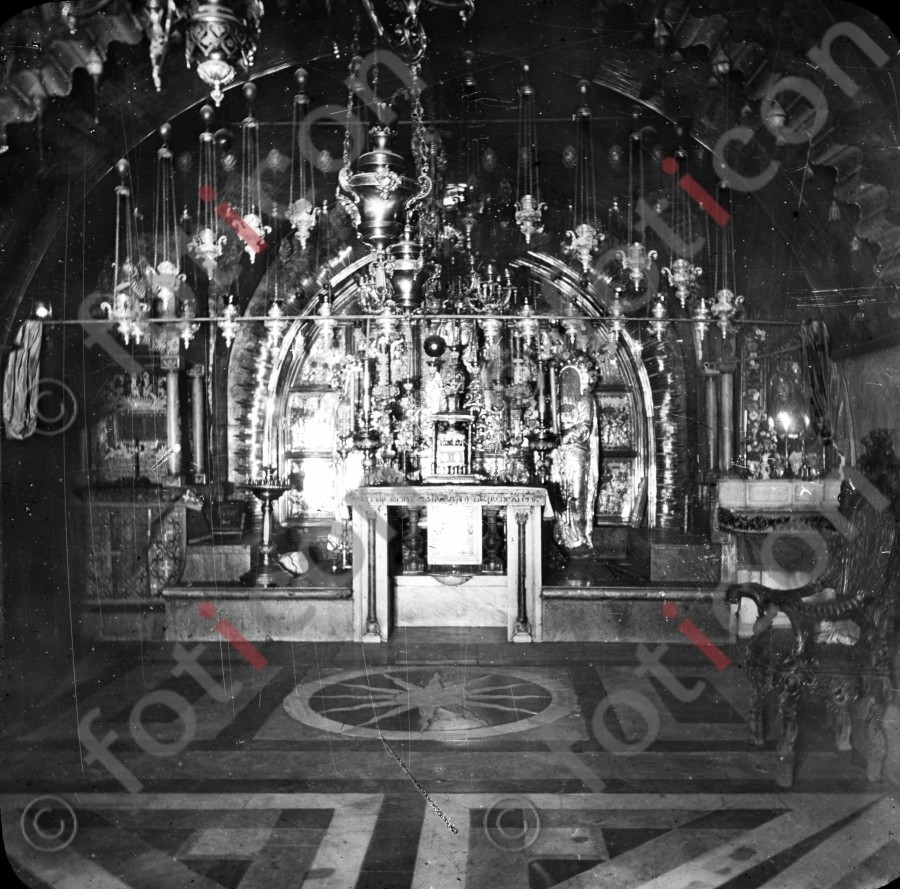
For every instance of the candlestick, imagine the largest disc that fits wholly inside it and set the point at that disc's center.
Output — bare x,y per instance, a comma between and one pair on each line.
367,391
541,394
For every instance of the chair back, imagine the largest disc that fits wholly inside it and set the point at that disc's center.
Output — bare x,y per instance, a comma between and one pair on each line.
866,564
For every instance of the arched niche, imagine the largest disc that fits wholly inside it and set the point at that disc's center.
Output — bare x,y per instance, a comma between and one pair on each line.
270,374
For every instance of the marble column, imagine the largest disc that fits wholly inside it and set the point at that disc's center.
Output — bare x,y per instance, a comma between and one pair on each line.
726,416
522,627
198,422
373,629
712,415
171,364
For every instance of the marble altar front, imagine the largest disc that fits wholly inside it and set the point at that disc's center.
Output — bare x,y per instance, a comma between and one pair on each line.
505,592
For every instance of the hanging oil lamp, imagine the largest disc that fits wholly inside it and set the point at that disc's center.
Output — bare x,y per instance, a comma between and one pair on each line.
302,213
585,235
528,188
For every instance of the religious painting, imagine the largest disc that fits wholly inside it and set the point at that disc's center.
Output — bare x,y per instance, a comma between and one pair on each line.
614,499
616,422
312,417
128,441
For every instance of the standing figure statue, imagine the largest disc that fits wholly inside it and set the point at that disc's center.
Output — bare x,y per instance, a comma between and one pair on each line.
576,462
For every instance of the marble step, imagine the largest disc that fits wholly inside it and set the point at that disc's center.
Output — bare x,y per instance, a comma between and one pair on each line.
632,613
673,556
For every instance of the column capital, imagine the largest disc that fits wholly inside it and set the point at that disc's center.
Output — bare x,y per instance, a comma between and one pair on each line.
170,363
522,516
196,370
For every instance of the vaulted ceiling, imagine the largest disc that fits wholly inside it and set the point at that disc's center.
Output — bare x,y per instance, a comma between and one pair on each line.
819,238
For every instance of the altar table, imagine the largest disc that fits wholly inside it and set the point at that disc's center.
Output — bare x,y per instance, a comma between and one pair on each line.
373,584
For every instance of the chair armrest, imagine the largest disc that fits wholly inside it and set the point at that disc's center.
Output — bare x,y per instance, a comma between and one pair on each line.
786,601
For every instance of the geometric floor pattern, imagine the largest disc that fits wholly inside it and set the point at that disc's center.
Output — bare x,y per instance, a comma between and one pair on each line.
285,780
376,841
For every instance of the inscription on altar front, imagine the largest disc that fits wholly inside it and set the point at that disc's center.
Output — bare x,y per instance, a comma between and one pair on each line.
410,494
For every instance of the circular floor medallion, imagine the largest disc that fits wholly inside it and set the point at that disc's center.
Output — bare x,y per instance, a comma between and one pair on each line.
443,703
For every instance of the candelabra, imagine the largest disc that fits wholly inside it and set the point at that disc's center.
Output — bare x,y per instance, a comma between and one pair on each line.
267,572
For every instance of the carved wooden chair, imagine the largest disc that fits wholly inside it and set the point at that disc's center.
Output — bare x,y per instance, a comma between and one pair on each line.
865,584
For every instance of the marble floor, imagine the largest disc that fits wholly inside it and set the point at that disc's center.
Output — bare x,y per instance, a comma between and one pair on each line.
443,759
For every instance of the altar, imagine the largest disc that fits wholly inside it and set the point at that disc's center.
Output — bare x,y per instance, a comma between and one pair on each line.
481,565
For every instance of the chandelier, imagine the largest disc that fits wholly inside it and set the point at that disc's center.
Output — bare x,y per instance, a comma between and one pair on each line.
129,306
145,291
380,200
164,276
219,37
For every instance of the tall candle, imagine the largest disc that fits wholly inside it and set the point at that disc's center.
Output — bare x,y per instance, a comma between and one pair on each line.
367,382
354,395
367,391
744,439
541,394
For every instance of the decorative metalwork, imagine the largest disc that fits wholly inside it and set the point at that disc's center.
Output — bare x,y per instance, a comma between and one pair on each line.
636,261
207,244
528,188
701,325
220,40
302,213
726,306
660,315
683,275
528,216
158,18
164,276
228,322
381,191
253,228
585,235
130,306
407,265
408,38
302,216
584,241
267,572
